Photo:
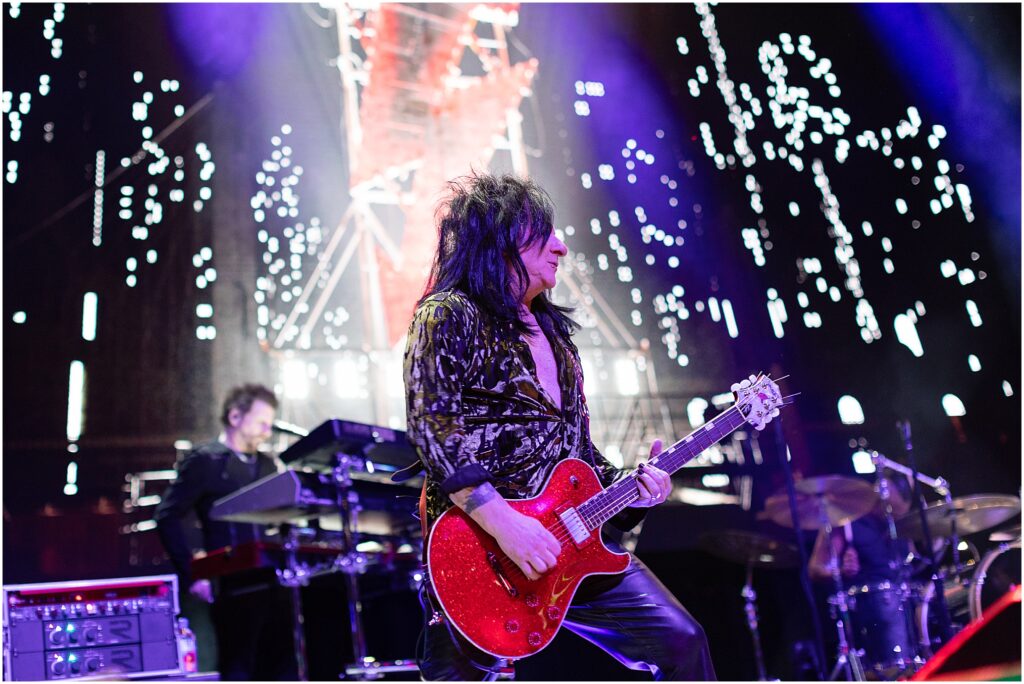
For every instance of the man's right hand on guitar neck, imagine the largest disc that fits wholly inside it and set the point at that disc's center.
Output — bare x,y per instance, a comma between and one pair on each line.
531,546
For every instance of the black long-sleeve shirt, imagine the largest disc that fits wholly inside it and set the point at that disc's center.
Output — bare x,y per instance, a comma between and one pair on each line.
477,412
206,474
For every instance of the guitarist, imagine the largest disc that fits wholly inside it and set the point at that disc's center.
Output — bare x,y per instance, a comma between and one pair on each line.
495,399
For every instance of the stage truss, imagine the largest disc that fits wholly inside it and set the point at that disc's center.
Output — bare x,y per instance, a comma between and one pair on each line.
428,93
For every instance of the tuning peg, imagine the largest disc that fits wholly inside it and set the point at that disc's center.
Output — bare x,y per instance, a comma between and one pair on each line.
775,413
735,387
745,384
759,427
753,378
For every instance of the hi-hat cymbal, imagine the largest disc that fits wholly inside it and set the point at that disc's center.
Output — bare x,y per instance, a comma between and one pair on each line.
750,548
970,513
838,498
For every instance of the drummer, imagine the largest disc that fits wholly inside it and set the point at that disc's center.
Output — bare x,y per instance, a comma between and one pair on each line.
869,562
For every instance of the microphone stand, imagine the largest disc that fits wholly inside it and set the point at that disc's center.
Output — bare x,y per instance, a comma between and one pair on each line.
750,608
945,624
939,485
805,580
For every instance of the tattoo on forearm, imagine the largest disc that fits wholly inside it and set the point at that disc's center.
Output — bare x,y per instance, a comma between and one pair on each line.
479,496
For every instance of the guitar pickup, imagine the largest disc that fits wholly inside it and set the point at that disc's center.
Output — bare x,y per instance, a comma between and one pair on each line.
492,560
575,525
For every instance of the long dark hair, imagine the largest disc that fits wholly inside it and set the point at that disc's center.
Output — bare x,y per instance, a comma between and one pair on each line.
483,224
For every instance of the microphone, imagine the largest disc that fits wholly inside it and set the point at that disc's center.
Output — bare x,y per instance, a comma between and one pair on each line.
903,426
288,429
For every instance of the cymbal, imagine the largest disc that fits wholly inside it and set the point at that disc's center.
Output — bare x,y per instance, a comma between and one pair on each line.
844,499
971,513
750,548
1007,534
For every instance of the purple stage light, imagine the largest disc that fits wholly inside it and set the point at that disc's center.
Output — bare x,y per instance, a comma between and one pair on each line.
218,39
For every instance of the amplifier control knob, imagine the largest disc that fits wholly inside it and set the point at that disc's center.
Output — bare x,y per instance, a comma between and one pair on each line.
58,667
57,637
92,664
75,667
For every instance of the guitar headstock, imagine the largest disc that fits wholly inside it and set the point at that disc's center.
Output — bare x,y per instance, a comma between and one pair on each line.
758,399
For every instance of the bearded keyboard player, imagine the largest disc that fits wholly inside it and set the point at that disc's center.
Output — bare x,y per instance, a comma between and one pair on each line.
251,612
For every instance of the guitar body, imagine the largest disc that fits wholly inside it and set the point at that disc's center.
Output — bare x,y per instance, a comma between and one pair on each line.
492,603
488,599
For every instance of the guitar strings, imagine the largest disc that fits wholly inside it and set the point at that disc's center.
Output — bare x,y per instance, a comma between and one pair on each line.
594,519
600,515
697,445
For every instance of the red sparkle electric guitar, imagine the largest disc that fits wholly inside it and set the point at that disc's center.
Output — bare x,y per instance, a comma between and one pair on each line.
492,603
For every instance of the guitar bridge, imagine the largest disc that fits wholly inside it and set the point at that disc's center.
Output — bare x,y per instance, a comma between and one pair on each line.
492,560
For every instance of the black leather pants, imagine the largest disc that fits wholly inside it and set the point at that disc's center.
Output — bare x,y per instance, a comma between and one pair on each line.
632,616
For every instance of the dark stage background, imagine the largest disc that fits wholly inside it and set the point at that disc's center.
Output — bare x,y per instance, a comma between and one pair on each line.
829,192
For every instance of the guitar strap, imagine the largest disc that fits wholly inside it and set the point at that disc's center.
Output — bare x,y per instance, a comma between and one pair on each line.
423,520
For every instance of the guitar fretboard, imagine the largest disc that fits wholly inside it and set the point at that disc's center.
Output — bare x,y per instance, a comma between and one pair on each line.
604,505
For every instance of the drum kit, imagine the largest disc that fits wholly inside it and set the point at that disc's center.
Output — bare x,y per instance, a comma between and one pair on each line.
909,597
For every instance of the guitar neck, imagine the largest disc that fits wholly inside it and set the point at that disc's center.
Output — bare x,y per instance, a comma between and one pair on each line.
606,504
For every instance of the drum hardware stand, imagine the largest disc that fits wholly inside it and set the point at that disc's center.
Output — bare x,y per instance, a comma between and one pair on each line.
750,607
941,487
945,622
805,580
898,564
348,561
848,658
351,563
293,576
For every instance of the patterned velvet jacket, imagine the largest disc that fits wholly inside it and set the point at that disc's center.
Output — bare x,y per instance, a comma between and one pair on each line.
477,413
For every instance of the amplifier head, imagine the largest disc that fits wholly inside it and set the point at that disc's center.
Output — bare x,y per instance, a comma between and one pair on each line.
62,630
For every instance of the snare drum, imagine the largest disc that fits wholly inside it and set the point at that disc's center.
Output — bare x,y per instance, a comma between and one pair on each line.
998,573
